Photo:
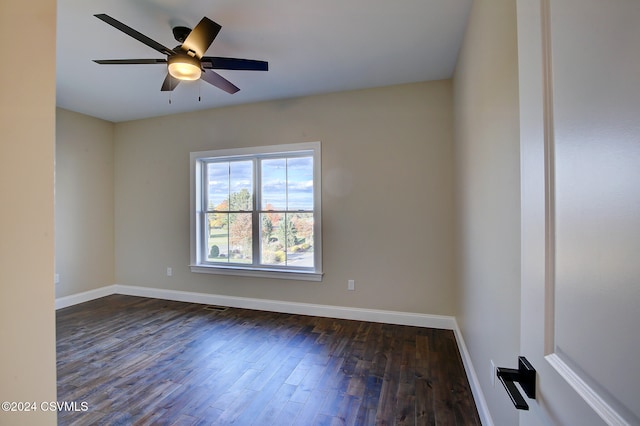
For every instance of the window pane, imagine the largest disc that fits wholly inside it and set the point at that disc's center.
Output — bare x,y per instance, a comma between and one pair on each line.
300,239
217,237
272,250
217,186
241,184
287,239
240,241
300,183
274,179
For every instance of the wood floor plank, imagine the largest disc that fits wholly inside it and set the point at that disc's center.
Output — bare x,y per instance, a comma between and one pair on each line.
288,414
275,405
141,361
311,409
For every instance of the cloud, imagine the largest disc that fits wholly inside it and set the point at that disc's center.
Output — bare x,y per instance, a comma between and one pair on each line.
304,186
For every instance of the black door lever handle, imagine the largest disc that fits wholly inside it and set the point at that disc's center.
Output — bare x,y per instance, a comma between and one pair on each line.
525,375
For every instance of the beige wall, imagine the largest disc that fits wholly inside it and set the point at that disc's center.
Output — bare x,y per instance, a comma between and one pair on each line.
387,195
488,195
27,120
84,203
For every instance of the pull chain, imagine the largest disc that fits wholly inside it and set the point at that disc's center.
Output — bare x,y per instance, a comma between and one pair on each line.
199,90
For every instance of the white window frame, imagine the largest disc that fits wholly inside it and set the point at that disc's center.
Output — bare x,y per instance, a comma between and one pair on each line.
198,261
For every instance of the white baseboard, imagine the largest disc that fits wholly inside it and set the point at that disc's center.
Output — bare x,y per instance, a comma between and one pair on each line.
472,377
373,315
359,314
85,296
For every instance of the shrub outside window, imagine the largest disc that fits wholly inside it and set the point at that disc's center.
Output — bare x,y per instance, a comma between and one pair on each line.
256,211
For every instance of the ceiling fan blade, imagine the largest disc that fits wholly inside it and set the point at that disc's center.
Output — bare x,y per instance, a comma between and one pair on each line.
169,83
201,37
217,63
135,34
219,81
129,61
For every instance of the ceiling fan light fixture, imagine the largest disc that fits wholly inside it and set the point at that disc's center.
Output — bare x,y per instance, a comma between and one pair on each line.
184,67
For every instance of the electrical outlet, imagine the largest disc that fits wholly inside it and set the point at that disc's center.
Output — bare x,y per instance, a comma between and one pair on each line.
351,285
169,271
56,278
494,373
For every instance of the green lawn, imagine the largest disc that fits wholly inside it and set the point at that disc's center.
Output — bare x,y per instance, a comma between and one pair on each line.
219,237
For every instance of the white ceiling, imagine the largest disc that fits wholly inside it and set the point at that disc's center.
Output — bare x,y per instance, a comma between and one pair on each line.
312,46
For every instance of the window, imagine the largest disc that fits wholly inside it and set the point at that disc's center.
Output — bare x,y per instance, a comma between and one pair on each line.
256,211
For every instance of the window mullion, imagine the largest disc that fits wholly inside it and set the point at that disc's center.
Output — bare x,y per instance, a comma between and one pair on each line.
257,203
229,212
286,208
204,207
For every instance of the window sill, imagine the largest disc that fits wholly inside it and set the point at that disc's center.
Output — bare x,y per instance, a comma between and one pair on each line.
259,273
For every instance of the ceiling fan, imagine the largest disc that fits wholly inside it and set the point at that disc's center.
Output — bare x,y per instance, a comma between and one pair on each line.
187,61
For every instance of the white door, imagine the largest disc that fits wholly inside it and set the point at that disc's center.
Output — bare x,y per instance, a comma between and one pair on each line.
579,68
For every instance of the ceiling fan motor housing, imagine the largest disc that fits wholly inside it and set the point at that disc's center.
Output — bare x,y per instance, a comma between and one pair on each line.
181,33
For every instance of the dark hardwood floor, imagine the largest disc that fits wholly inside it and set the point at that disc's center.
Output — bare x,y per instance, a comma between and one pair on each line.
135,360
